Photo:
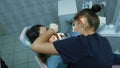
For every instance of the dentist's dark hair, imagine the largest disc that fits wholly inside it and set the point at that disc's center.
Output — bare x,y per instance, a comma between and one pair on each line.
90,15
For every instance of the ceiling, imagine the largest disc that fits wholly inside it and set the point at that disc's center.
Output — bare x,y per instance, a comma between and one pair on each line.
16,14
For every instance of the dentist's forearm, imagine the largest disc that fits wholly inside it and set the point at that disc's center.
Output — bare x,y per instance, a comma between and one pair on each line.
42,45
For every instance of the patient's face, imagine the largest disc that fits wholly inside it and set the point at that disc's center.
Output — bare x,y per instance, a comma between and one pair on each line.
43,30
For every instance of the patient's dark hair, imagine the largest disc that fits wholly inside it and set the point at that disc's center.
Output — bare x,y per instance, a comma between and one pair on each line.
32,34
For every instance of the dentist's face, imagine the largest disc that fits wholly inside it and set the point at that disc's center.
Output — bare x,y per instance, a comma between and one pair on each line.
76,26
81,25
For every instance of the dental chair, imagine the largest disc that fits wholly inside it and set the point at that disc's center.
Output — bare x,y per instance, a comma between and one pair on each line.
24,40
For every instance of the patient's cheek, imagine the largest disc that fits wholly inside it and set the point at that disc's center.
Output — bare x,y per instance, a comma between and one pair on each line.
53,38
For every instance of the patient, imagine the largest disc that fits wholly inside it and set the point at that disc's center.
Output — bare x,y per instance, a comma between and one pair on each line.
52,61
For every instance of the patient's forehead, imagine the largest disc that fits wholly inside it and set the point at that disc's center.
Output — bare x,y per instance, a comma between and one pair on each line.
42,30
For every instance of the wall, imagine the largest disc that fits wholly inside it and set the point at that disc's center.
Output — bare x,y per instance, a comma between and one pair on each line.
16,14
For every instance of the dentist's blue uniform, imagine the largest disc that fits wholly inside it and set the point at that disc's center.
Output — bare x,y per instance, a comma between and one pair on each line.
91,51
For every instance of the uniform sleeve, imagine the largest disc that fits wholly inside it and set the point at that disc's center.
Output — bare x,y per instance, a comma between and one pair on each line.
68,49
